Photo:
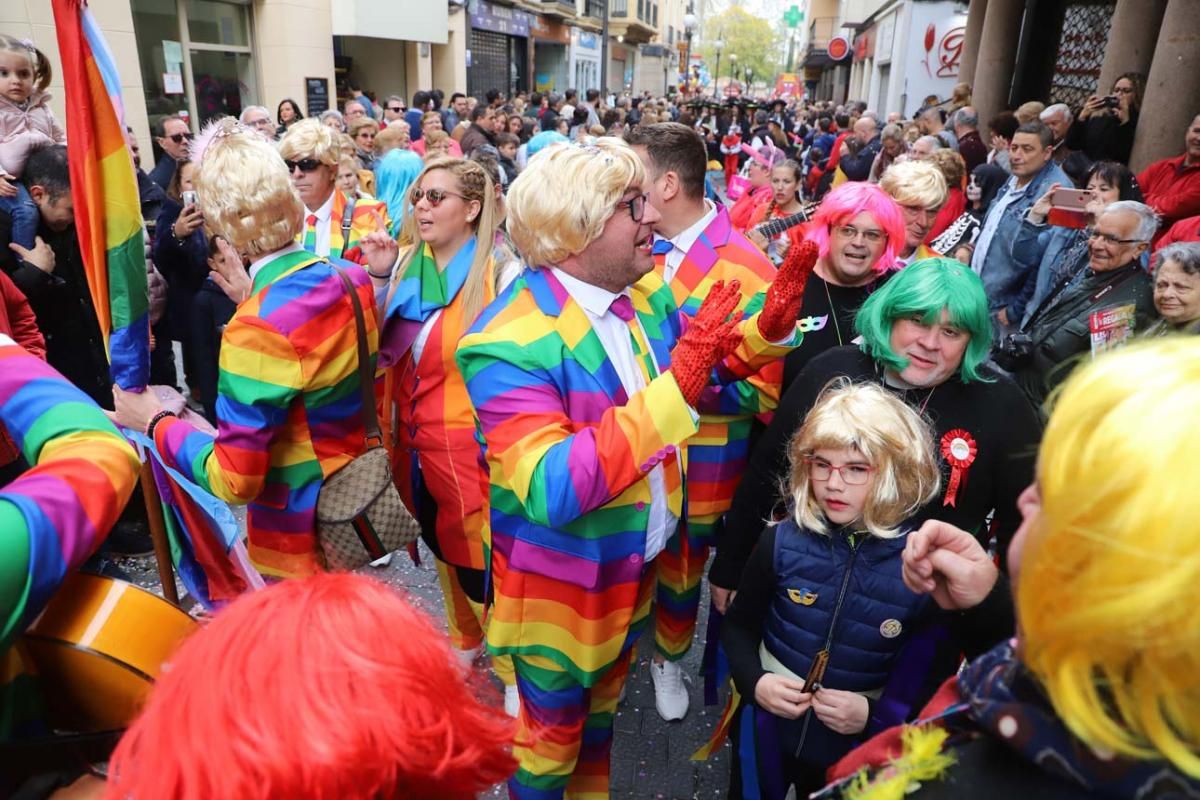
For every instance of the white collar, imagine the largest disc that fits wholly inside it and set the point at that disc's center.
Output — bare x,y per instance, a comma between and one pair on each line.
594,299
684,240
326,210
258,264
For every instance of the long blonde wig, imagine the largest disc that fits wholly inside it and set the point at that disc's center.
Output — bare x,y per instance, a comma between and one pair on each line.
561,201
244,189
473,183
892,438
1110,574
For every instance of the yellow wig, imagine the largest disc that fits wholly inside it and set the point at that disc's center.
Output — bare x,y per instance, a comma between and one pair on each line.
1110,574
561,201
893,439
244,189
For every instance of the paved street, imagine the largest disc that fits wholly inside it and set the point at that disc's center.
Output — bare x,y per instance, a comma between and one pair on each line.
650,756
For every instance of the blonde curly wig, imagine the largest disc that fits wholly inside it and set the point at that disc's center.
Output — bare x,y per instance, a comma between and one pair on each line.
561,201
308,138
244,189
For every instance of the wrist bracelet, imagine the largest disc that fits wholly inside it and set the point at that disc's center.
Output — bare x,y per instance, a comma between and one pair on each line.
377,276
157,418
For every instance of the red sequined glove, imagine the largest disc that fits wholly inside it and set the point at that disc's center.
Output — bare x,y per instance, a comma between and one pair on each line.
711,335
782,306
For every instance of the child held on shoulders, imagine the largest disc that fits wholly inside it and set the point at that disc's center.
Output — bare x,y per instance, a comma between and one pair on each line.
818,624
26,124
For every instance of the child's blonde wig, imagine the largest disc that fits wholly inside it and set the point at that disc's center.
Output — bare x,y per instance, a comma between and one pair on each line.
891,437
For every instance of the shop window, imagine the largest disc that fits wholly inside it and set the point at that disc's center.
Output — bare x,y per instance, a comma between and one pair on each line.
196,58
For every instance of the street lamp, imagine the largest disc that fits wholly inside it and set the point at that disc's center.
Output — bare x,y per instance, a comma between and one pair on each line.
732,68
717,72
749,79
689,29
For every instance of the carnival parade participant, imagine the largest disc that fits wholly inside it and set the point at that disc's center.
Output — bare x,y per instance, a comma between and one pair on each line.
758,170
288,412
696,246
347,693
813,663
783,208
1094,698
924,336
52,519
920,190
332,223
585,387
447,273
858,230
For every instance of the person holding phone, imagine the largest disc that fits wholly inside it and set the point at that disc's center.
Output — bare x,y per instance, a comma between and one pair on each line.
180,252
1104,129
1054,252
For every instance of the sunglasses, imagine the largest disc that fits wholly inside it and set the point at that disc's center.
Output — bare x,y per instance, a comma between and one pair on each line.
178,138
305,165
397,109
434,196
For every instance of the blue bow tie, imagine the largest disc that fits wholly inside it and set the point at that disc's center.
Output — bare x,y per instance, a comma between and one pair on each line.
662,247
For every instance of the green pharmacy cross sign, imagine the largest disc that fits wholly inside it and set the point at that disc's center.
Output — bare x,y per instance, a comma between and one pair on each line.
793,16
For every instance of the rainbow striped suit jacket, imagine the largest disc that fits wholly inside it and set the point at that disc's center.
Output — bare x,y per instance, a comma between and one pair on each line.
55,515
568,453
361,223
288,407
717,454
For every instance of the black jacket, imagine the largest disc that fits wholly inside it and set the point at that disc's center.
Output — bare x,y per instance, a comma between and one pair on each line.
185,267
63,306
1005,430
1058,328
857,166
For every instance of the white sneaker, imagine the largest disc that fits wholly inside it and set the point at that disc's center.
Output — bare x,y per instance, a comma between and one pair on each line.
512,701
670,695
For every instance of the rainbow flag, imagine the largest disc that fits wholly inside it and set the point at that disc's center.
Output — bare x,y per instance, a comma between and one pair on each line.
108,217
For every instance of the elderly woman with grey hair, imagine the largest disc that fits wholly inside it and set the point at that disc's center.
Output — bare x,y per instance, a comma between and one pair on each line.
332,118
1177,289
892,146
1110,299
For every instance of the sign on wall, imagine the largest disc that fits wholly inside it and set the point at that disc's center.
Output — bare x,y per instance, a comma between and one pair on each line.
316,95
933,52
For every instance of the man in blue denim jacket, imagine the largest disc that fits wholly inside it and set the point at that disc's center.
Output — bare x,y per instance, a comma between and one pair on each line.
1031,155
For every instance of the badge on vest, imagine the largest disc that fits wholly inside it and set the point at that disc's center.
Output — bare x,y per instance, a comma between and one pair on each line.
802,596
891,628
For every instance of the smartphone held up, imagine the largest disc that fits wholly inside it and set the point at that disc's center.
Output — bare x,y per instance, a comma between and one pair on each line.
1068,208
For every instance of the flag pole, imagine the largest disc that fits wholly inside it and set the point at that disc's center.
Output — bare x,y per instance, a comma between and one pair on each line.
158,531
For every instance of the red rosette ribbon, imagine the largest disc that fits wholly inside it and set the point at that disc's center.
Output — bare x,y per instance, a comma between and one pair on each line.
959,450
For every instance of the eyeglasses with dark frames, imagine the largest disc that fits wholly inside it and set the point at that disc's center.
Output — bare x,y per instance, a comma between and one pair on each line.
636,206
1108,238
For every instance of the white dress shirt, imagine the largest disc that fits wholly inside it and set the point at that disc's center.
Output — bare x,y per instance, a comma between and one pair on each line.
321,247
684,240
614,336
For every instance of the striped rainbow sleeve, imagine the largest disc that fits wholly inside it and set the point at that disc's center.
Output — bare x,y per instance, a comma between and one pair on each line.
55,515
556,472
260,374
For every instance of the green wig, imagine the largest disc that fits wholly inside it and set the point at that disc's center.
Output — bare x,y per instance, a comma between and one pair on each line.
923,289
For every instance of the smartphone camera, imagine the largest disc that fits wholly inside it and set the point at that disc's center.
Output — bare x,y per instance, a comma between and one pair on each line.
1112,101
189,198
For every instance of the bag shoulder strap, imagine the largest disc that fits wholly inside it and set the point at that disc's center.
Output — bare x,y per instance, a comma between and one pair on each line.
370,416
348,221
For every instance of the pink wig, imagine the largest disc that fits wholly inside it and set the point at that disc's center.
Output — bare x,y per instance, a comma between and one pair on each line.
849,200
328,687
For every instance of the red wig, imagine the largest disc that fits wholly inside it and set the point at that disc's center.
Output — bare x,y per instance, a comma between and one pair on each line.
328,687
845,203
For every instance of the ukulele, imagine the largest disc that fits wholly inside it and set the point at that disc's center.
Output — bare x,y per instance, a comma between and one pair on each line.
777,225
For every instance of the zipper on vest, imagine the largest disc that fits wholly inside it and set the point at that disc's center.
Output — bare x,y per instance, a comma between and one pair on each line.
822,657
